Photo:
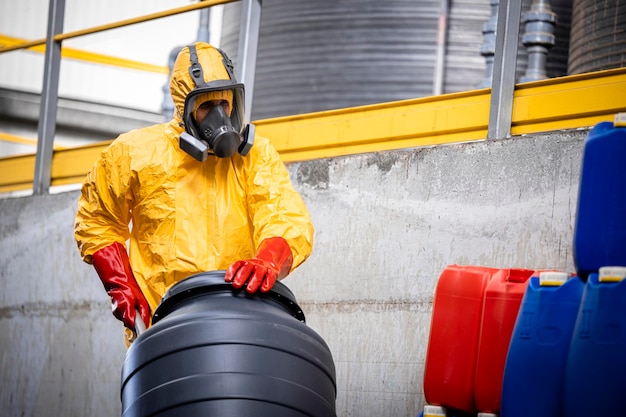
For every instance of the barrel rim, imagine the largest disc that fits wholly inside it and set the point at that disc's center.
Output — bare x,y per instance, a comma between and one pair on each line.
213,281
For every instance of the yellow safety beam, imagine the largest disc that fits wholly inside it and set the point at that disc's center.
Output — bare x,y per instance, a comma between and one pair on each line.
401,124
69,166
571,102
17,172
568,102
81,55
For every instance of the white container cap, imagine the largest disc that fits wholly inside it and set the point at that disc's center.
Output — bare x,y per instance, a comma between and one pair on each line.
552,278
620,120
612,273
434,411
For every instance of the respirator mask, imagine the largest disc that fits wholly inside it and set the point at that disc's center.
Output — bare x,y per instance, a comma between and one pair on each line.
219,133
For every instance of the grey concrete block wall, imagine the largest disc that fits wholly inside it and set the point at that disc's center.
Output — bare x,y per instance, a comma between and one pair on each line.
386,224
61,350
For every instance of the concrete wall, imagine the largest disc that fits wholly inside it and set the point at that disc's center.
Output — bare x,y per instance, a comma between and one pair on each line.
387,224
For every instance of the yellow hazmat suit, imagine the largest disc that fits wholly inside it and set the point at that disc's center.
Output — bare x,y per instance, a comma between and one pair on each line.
183,216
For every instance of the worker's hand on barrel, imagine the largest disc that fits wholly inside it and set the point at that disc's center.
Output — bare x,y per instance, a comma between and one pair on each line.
273,261
113,267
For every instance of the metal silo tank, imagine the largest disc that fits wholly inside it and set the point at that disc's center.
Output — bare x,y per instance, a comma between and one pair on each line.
598,35
320,55
323,55
464,65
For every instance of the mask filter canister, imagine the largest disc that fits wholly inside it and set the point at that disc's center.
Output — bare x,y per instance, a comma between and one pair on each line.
217,130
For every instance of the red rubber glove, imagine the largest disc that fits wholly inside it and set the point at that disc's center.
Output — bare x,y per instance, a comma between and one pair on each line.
273,261
113,267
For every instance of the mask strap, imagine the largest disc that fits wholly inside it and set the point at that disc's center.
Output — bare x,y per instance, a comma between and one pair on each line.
195,69
228,64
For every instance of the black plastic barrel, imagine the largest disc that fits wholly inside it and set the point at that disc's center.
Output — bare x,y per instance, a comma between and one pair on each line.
217,351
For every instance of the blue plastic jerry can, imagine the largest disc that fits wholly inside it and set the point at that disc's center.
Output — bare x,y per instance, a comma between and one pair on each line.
595,376
537,355
600,227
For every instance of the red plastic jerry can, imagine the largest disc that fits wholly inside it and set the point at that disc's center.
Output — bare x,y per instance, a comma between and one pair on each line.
502,300
454,332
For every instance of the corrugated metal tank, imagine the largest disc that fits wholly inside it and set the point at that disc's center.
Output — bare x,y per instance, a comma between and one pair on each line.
598,35
464,66
318,55
323,55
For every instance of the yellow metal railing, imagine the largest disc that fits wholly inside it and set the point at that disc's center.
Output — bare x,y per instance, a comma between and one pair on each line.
80,55
17,172
127,22
571,102
6,137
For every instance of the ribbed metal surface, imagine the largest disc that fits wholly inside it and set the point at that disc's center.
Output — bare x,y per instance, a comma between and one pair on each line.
332,54
316,56
465,66
598,37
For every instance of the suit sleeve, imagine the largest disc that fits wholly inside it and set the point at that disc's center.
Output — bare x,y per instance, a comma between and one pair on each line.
277,209
103,213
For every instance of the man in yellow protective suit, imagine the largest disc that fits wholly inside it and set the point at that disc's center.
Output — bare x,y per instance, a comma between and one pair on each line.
196,194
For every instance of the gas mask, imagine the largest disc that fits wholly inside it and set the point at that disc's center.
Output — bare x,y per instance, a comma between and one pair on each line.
217,130
219,133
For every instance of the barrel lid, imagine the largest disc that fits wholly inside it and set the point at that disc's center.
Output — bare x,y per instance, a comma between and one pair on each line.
611,273
213,281
434,410
552,278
